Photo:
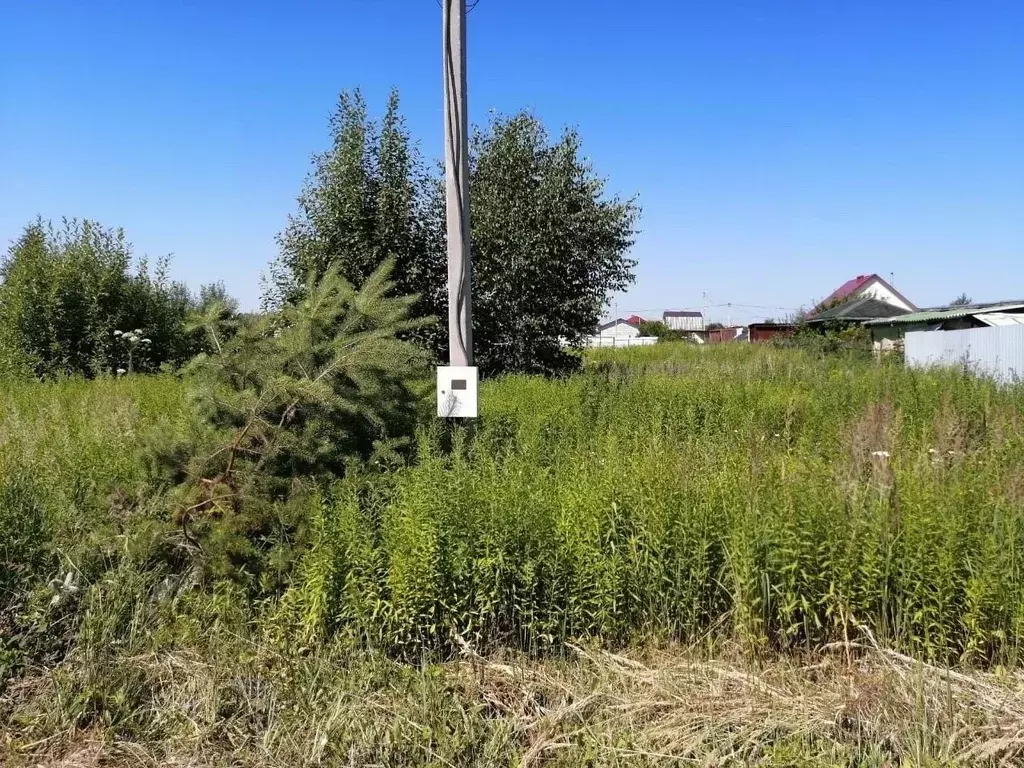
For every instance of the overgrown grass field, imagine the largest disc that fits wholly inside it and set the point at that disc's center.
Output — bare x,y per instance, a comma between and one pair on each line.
691,493
738,500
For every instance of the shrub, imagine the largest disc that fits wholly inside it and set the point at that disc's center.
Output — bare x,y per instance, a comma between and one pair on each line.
66,291
659,329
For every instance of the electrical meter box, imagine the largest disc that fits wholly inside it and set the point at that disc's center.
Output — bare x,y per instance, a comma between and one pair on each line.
456,392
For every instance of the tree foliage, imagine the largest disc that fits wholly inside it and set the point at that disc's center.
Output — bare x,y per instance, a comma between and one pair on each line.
963,300
300,393
367,199
66,291
660,330
548,244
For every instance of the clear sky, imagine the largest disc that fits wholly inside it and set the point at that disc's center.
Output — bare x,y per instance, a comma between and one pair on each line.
777,147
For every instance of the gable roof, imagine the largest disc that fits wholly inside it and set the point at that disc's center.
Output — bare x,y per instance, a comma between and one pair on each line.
854,285
613,323
848,288
681,313
859,309
634,320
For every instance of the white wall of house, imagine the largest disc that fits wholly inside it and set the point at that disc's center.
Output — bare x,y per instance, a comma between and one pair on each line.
622,334
621,330
877,290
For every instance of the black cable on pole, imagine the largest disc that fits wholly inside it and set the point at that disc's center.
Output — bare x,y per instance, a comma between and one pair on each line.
453,134
469,5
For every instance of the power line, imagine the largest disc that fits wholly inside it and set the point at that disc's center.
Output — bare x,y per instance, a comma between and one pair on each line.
712,306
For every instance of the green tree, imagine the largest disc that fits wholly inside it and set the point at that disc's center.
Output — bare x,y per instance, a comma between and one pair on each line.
659,329
366,200
302,393
962,300
65,292
549,246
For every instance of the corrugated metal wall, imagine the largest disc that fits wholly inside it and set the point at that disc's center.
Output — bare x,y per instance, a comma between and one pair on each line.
622,341
688,323
996,352
763,334
722,335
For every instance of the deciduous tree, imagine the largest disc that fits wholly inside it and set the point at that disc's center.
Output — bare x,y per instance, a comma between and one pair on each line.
549,245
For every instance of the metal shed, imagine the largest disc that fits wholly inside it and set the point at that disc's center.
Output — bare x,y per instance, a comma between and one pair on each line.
683,320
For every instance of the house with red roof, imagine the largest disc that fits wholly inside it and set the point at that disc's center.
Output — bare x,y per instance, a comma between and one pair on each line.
866,287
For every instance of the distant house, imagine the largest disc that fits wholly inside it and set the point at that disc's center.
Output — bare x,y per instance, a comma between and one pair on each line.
683,320
635,320
619,328
620,333
866,286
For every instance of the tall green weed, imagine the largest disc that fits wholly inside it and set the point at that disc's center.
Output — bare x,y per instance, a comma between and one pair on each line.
688,493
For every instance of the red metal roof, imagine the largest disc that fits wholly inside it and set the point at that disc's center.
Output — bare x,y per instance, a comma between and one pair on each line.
849,288
634,319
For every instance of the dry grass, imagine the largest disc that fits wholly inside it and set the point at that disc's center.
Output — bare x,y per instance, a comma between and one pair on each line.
852,699
852,703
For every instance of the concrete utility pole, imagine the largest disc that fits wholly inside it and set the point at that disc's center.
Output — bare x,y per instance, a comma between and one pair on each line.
456,165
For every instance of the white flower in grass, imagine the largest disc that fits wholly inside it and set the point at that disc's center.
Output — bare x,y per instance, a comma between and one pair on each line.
121,371
137,331
118,333
146,341
880,454
932,451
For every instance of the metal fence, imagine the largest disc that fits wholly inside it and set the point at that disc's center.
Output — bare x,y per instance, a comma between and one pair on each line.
997,352
621,341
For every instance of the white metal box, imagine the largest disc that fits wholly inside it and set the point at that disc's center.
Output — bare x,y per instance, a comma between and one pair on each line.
456,392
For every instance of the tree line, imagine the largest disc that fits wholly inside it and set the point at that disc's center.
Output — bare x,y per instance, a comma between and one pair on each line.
549,247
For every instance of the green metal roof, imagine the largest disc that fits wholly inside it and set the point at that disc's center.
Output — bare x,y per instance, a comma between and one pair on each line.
938,315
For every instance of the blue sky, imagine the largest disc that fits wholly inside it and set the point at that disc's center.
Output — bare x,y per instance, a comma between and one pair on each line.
777,147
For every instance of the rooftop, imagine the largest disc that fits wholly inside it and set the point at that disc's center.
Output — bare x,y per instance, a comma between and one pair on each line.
852,286
849,288
613,323
859,310
949,313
